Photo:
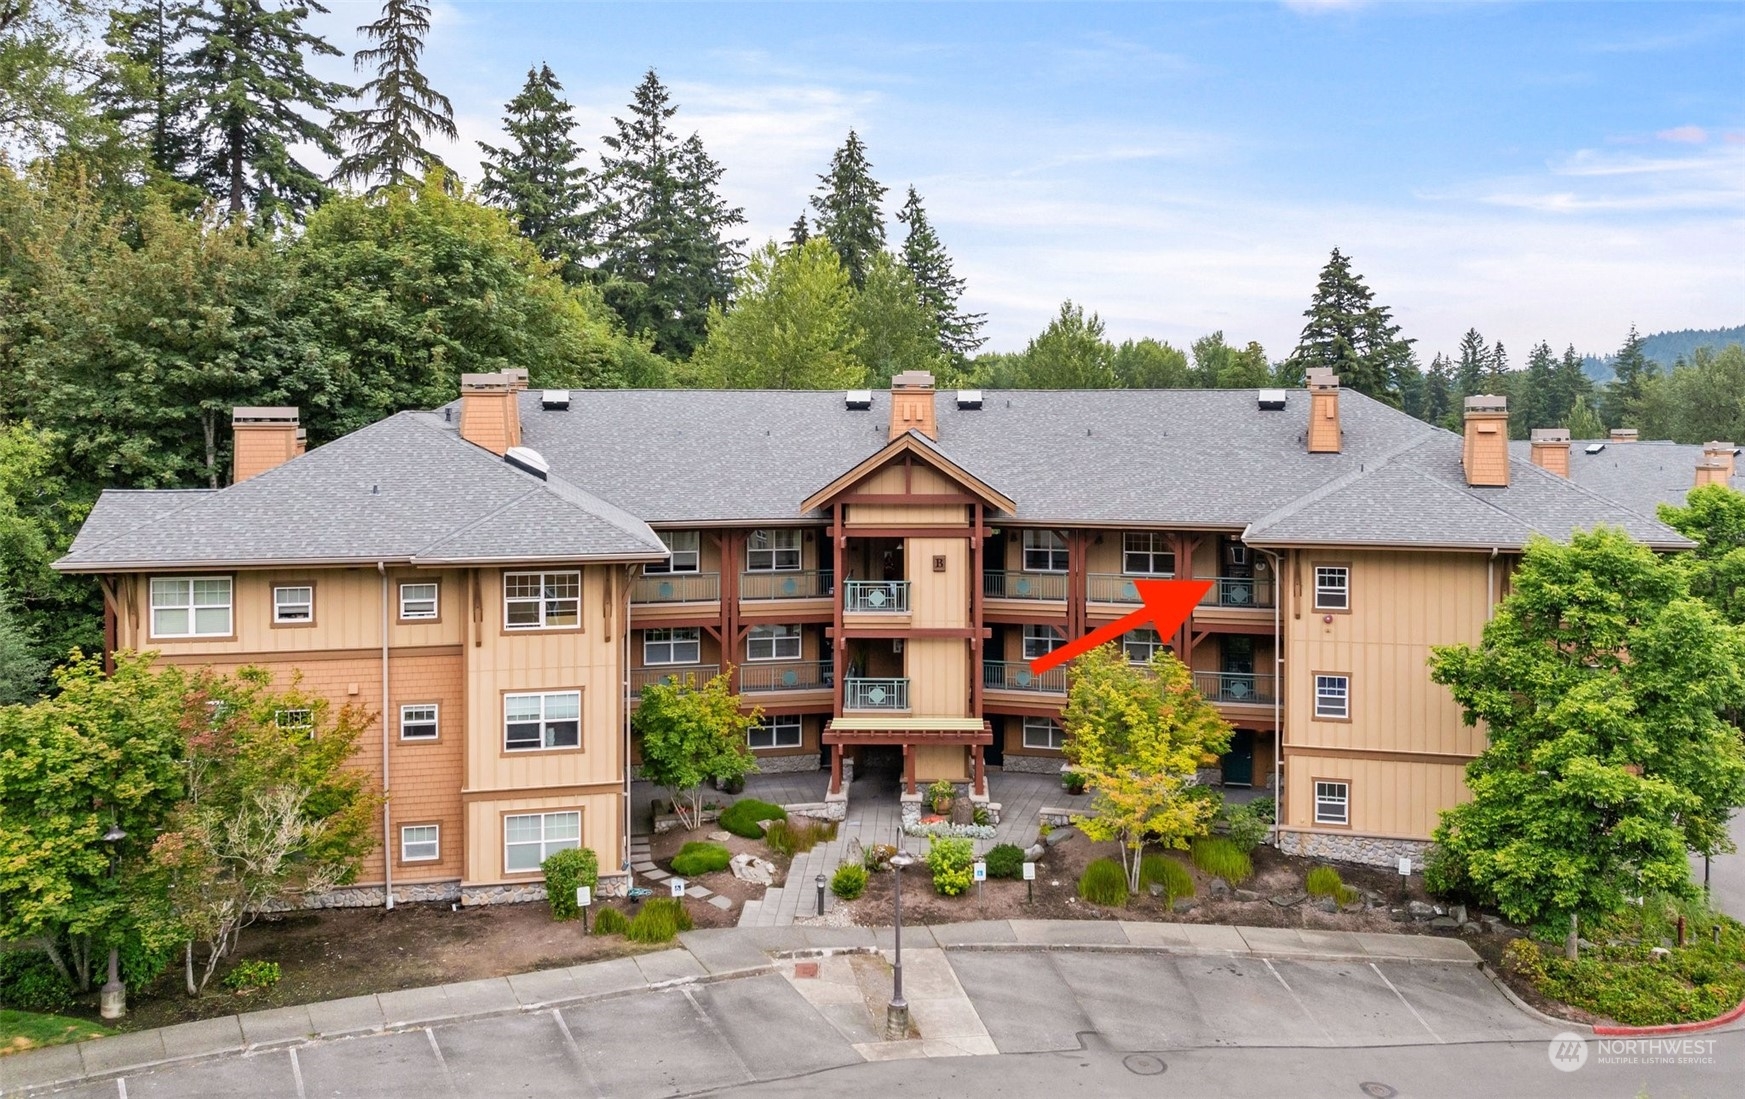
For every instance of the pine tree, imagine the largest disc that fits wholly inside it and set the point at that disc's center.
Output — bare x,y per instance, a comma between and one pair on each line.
138,95
251,99
847,204
798,233
1497,369
1438,391
1631,371
537,178
930,267
386,140
1571,385
1469,373
1583,423
1536,392
1351,335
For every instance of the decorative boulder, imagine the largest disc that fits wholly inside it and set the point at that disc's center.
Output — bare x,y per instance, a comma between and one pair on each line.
753,870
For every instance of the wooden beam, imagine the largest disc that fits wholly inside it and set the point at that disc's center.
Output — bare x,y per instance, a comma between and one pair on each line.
913,532
869,632
908,736
900,498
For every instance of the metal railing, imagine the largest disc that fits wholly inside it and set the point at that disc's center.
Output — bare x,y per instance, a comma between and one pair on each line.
875,694
795,675
1239,591
1238,687
677,587
799,584
1015,675
875,596
1024,585
1109,587
658,673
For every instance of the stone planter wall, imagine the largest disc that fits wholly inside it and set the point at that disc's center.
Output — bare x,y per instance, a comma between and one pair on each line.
1368,850
368,896
1032,765
833,809
786,765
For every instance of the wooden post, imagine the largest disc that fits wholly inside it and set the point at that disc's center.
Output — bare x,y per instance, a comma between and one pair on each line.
981,774
909,767
838,644
977,652
836,768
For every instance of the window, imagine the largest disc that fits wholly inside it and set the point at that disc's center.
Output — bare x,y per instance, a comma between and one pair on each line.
1332,802
193,606
541,600
1141,645
686,555
1333,696
1044,551
420,842
775,732
678,645
1332,588
300,720
1045,733
528,839
1040,641
418,601
418,721
1147,553
532,722
775,550
295,606
773,643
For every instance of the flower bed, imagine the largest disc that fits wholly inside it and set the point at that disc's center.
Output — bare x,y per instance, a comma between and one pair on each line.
939,826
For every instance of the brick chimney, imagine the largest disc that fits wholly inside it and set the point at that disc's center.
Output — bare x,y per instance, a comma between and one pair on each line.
912,404
1486,454
488,416
1623,435
1324,435
261,439
1550,449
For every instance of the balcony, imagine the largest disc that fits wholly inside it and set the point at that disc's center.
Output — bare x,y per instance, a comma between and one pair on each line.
1108,587
1239,593
807,584
875,597
1024,585
677,587
1015,675
875,694
792,675
1235,688
642,677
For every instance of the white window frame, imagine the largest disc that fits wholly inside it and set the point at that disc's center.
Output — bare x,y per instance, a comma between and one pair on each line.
306,605
773,642
412,606
1048,548
551,609
661,647
780,731
413,714
1332,696
686,547
1134,640
1333,581
545,846
775,549
433,841
1330,795
192,607
300,719
1049,732
1146,547
550,729
1039,641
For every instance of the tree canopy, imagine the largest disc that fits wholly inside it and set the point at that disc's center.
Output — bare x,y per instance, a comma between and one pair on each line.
1351,335
387,139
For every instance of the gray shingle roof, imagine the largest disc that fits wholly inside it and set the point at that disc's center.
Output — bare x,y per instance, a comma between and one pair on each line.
1638,475
122,509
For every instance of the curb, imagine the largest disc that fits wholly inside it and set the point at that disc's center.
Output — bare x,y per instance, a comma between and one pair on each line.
1672,1028
1509,993
1194,952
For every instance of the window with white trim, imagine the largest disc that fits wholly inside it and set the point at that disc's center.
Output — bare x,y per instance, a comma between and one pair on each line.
294,604
300,720
1044,551
686,549
1040,641
418,600
1332,802
190,606
530,838
773,643
1332,588
674,645
541,600
775,732
535,721
1044,733
420,842
1147,553
1142,644
418,721
1333,696
773,550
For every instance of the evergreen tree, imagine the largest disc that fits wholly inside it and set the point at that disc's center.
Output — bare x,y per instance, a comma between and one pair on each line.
144,39
386,140
536,177
1631,371
1533,405
1584,423
1438,391
1571,384
1412,388
250,98
798,233
1351,335
1469,373
925,257
847,204
1497,370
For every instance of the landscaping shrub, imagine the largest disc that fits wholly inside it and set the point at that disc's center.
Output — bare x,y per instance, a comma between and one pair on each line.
660,921
981,816
951,860
698,857
30,982
610,921
878,856
1176,879
1324,881
742,816
564,870
1523,956
1005,860
254,974
1248,825
788,837
1222,859
1104,883
849,881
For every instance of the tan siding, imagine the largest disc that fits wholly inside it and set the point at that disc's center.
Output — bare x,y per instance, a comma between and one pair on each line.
938,599
938,670
1388,797
602,831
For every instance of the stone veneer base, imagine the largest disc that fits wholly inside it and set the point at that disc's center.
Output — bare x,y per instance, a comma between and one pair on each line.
1368,850
370,896
787,765
1032,765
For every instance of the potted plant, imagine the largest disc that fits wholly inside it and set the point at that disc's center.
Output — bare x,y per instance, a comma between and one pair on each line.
1073,781
733,784
940,795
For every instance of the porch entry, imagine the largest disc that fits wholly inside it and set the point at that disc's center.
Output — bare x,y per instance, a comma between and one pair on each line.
931,747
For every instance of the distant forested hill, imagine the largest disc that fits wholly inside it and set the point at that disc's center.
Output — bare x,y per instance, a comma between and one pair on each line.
1667,348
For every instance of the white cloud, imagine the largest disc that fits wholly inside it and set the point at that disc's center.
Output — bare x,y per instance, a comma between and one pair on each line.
1689,135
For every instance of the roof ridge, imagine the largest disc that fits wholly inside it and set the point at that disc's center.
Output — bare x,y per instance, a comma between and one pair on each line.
1344,480
1570,482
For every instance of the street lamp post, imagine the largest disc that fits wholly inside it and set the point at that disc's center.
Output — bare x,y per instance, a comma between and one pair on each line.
112,1003
897,1017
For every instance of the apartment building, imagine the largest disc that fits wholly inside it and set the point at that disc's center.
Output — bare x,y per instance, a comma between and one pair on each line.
500,577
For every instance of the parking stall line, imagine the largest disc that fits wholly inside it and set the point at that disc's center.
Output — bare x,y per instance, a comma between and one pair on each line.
441,1061
297,1074
1298,1000
1408,1003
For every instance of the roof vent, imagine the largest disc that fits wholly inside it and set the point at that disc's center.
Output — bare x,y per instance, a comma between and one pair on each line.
555,399
858,400
1595,448
528,459
969,398
1272,400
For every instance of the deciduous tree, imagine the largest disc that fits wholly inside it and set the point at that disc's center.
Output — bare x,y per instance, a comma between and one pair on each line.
896,328
1714,518
791,325
692,734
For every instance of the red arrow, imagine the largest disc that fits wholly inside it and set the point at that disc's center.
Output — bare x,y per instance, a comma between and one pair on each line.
1167,604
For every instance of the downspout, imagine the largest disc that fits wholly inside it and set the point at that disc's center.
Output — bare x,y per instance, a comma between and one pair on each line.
1278,691
1490,584
630,572
387,839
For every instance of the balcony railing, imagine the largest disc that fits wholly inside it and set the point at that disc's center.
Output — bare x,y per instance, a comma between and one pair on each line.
797,675
875,694
1108,587
1024,585
1015,675
809,584
1239,592
1236,687
677,587
642,677
876,596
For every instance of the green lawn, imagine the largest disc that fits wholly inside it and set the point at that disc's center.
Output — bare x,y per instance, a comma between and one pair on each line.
26,1030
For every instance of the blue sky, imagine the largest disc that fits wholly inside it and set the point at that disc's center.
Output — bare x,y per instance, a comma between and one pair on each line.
1549,171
